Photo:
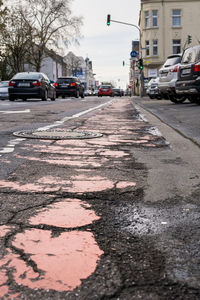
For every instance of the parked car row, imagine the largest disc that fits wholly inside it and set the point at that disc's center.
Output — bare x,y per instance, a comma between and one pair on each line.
26,85
179,78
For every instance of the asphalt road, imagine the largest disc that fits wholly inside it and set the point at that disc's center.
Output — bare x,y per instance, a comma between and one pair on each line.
113,217
182,117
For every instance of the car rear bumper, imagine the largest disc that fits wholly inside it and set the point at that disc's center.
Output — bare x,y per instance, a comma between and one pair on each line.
167,87
190,87
28,93
105,94
64,92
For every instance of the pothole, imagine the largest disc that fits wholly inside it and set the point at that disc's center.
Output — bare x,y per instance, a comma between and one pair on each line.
57,134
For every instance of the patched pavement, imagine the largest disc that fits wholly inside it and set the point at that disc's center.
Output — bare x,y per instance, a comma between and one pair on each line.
73,218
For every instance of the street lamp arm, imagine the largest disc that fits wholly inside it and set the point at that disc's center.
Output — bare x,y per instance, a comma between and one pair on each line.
126,24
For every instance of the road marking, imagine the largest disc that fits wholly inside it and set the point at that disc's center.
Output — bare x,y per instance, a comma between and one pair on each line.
10,147
55,124
11,144
15,111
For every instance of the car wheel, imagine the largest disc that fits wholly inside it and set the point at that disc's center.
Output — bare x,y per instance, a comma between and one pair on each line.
178,100
192,99
11,98
54,97
44,98
77,94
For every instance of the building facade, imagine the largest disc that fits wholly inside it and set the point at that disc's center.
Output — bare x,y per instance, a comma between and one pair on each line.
166,28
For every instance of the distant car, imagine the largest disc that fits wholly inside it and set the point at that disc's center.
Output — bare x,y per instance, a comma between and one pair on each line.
4,90
26,85
168,77
152,89
95,92
105,90
117,92
188,83
88,93
69,86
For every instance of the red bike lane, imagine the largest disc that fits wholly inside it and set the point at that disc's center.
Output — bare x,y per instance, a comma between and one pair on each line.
48,245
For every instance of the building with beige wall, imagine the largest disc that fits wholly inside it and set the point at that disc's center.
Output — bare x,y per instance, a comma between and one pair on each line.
165,26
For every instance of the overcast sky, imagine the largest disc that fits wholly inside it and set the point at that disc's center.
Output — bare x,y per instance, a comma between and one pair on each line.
107,46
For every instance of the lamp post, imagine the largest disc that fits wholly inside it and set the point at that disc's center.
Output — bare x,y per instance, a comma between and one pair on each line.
109,20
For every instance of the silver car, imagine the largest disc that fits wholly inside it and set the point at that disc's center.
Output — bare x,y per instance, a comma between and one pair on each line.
4,90
152,89
168,76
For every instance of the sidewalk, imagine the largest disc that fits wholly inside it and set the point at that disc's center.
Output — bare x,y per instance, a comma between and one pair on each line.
72,215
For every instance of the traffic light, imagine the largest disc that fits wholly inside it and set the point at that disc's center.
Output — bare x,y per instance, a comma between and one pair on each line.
189,39
108,20
123,63
140,64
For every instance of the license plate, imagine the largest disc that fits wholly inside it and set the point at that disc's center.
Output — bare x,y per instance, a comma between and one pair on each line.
186,71
64,85
25,84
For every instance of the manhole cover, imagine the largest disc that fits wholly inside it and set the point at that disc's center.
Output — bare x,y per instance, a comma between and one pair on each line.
57,134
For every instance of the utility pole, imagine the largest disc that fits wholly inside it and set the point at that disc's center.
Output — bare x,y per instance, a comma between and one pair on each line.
109,20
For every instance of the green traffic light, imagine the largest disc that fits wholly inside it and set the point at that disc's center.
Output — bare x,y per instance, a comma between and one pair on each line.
108,20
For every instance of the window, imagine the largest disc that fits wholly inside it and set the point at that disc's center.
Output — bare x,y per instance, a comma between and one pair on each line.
176,17
176,46
147,47
155,47
155,18
146,19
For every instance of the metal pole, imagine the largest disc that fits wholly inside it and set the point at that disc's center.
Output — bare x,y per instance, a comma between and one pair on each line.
140,55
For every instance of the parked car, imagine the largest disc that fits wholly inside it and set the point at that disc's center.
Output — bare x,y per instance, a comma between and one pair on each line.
95,92
4,90
105,90
168,77
88,93
152,89
26,85
117,92
188,83
69,86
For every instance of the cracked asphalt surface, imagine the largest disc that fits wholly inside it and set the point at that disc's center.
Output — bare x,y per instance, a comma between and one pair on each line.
79,219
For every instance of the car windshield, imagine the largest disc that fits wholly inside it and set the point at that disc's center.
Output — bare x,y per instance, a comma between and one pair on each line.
172,61
105,86
4,84
32,76
191,55
65,80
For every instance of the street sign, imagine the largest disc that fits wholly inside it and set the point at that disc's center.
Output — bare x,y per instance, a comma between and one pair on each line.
134,54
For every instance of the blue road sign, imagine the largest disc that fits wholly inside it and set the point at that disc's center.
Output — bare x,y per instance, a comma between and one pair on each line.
134,54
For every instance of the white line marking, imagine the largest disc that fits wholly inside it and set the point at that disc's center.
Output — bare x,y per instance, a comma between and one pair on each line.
11,144
10,147
15,111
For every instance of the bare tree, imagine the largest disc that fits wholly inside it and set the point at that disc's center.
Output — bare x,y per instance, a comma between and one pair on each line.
51,25
15,41
74,64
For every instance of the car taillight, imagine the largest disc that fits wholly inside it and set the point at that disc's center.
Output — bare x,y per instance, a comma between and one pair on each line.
55,84
175,69
73,84
36,83
197,68
11,83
